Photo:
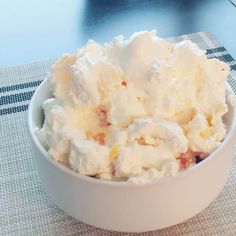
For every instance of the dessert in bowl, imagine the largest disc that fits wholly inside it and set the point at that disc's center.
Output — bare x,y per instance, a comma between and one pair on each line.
118,131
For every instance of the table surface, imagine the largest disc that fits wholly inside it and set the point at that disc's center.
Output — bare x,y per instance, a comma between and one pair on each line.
37,30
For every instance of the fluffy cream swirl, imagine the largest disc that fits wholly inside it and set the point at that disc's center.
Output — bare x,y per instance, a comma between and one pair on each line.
130,109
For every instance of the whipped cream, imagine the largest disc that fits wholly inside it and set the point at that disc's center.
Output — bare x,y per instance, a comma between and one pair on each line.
136,109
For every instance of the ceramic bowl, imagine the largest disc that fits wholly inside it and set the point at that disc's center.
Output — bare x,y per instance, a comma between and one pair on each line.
127,207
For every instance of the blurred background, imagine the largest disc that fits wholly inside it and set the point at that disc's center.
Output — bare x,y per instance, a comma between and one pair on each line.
36,30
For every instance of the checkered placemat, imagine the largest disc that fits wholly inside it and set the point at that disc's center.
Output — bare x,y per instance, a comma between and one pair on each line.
25,209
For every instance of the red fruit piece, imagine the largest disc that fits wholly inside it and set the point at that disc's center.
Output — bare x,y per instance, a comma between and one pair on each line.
124,83
100,138
102,116
186,159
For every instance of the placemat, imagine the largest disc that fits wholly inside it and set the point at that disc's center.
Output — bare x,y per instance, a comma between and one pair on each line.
25,209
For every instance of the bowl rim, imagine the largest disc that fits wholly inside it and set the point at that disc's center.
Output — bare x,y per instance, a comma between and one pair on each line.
154,182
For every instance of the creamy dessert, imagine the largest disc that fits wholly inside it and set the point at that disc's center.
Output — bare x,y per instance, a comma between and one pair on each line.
134,110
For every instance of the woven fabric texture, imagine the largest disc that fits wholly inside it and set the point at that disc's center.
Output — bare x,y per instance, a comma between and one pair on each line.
25,209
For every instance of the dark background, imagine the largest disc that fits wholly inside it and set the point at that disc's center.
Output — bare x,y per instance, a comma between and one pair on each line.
36,30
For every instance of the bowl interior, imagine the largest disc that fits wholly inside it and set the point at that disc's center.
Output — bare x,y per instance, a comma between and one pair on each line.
41,94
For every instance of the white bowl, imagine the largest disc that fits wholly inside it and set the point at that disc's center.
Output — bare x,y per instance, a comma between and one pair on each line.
123,206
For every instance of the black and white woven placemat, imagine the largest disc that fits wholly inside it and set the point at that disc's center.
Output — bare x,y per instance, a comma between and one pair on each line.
25,209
